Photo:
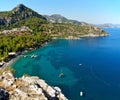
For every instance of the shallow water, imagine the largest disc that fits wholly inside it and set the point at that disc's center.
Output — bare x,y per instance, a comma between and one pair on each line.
97,77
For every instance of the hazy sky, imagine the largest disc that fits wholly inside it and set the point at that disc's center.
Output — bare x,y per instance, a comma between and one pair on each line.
91,11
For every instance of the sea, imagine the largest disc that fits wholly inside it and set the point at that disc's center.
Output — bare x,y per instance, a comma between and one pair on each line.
89,65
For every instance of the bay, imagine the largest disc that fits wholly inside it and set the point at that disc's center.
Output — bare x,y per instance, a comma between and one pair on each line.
90,65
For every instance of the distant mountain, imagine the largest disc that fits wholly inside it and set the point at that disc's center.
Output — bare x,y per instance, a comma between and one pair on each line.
19,13
56,18
108,25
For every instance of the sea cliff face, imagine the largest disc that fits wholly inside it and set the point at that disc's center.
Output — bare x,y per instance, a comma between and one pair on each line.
27,88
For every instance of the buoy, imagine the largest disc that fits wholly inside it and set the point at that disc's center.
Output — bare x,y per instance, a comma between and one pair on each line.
81,94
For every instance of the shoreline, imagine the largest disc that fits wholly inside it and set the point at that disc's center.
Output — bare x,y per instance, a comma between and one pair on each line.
16,57
12,60
81,36
46,89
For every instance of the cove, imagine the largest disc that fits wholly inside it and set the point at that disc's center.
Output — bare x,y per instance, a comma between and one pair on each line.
97,77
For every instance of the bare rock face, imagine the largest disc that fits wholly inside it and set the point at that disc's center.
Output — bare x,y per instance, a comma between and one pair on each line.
18,13
19,8
27,88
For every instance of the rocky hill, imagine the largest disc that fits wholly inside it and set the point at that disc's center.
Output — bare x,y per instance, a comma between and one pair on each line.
62,27
56,18
19,13
27,88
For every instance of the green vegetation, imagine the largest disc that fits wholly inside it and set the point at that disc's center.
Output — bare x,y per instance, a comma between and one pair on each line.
42,30
26,75
6,13
19,43
7,69
62,30
19,13
33,23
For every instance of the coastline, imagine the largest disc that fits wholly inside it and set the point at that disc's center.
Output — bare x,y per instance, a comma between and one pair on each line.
28,87
12,60
45,89
22,54
16,57
80,36
9,63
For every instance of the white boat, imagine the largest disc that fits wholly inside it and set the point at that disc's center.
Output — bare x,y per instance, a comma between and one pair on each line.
24,56
80,64
81,93
33,56
61,75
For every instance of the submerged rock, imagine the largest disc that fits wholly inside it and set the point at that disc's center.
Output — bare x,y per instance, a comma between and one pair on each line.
4,95
27,88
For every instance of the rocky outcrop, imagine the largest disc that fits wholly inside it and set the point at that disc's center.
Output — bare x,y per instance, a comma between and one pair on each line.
4,95
28,88
20,12
56,18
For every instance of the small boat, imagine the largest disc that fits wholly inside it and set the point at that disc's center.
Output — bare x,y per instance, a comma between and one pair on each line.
24,56
80,64
33,56
61,75
81,93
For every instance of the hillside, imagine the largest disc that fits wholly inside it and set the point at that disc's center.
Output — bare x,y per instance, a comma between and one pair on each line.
22,20
56,18
19,13
24,16
26,88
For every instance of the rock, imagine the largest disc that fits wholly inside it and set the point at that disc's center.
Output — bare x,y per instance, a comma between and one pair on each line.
50,91
27,88
8,79
57,89
18,13
4,95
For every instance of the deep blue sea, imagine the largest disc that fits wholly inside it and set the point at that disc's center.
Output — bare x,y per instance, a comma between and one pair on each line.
98,77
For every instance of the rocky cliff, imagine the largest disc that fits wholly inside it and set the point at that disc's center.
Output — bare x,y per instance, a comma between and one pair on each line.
19,13
27,88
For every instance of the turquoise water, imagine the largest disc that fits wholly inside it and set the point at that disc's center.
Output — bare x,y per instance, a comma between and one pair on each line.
98,77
